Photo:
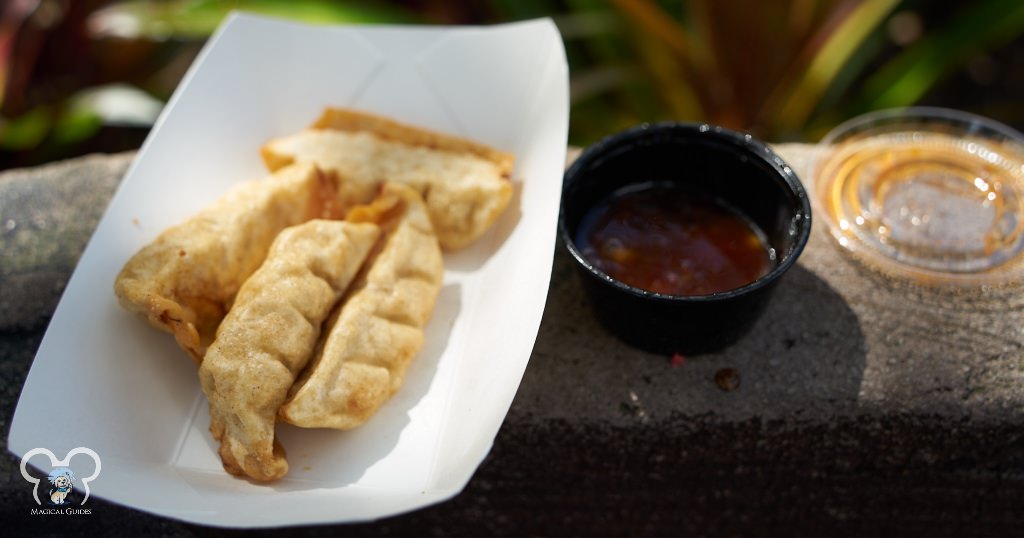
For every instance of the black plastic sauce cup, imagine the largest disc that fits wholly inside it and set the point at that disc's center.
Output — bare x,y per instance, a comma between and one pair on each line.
730,166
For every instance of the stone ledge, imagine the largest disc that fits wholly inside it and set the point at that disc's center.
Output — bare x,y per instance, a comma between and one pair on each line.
864,404
47,215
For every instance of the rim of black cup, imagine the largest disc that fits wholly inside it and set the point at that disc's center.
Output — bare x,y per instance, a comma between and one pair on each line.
744,143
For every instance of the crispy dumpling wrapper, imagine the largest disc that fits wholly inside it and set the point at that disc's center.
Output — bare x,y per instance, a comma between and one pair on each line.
378,328
270,334
465,185
184,281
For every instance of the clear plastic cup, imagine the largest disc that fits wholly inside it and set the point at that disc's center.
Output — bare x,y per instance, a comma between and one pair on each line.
930,194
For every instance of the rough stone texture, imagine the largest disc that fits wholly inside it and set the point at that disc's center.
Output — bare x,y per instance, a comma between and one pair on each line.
47,215
858,405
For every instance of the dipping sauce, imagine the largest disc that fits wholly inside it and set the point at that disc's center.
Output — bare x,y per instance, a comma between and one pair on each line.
666,239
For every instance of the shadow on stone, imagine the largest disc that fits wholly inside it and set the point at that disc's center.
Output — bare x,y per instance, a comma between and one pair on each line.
806,354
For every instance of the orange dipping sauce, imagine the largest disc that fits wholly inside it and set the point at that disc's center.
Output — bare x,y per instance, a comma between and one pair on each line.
669,240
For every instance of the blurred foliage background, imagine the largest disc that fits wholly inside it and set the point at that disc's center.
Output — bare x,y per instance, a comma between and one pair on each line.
78,76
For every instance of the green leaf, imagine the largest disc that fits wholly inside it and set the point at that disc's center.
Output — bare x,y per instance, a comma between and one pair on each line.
799,100
76,125
27,130
907,77
196,19
665,49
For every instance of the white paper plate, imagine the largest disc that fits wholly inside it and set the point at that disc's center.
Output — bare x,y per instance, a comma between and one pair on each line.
103,379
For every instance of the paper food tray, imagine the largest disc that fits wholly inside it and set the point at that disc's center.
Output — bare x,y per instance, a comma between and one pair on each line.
105,380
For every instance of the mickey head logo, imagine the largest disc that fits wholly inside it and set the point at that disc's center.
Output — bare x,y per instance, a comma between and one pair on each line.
54,462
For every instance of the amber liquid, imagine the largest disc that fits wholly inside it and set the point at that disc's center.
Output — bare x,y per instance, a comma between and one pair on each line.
928,201
673,241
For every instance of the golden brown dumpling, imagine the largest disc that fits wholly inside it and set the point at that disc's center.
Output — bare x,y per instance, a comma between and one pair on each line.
184,281
378,328
269,335
464,184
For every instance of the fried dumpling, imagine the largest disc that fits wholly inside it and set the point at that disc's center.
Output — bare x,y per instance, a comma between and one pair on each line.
465,185
270,334
184,281
378,329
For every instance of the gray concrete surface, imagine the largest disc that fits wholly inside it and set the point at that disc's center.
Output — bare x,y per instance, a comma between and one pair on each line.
858,405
